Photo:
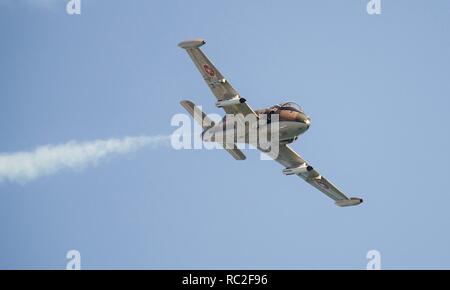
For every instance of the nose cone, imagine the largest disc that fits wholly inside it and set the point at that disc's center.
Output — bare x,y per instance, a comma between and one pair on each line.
303,118
307,122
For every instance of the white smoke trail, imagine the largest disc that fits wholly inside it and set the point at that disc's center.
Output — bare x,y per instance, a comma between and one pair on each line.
22,167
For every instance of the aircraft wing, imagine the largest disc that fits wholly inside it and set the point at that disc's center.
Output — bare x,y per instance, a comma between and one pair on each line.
291,160
220,87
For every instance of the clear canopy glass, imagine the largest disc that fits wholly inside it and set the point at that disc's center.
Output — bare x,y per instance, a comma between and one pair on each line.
292,106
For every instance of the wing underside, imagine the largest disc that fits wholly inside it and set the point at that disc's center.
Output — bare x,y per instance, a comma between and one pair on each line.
291,159
219,86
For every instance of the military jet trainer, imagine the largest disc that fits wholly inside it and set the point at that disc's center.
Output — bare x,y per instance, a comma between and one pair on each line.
292,122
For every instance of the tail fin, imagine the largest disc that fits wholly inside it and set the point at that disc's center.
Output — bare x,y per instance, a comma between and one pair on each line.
207,123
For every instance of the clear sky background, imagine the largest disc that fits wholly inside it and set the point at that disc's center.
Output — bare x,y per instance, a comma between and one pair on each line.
377,88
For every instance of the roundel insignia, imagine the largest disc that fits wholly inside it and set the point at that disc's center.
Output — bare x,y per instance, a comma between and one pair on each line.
208,70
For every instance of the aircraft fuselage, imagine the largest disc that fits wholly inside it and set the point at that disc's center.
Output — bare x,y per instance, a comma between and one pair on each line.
292,122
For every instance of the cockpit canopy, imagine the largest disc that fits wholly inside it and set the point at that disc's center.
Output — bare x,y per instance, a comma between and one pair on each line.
289,106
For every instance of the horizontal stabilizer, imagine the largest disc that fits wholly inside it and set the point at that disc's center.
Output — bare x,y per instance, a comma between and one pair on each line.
202,119
207,123
236,153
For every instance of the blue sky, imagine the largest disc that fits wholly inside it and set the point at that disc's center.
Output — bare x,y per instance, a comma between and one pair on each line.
376,88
